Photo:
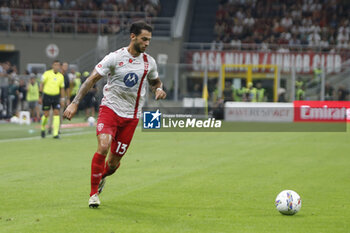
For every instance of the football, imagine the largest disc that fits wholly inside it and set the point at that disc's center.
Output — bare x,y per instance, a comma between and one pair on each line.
91,121
288,202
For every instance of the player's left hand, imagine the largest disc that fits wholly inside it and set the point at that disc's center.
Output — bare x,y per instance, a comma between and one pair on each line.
160,94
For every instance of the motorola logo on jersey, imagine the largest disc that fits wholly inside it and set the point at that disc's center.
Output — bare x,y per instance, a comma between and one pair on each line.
131,79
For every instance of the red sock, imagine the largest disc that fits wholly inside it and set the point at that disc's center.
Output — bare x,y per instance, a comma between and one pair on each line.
97,167
108,171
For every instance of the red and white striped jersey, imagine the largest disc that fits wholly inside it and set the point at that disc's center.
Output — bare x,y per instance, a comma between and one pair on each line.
125,90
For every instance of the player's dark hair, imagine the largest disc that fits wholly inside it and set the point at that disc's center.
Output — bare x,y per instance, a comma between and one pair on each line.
56,61
138,26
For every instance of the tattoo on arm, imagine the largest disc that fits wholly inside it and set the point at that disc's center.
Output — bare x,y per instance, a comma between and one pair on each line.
84,89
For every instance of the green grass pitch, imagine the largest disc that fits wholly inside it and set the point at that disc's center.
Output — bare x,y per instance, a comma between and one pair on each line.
175,182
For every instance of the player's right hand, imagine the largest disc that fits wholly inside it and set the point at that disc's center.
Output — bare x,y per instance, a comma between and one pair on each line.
160,94
70,111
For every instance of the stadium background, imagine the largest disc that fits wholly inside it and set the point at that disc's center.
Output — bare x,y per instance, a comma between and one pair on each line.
307,39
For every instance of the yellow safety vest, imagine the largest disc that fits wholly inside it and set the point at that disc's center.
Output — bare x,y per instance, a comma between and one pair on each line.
76,87
33,92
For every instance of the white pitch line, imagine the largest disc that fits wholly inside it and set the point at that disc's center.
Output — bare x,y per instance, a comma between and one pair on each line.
38,137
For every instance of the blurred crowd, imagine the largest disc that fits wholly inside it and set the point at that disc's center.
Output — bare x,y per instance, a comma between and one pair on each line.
310,23
108,16
84,5
7,69
21,92
152,7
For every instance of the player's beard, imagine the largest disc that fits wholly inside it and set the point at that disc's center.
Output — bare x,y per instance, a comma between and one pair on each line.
138,48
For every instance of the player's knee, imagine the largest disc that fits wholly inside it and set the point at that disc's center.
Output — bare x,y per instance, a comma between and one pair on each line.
104,143
103,149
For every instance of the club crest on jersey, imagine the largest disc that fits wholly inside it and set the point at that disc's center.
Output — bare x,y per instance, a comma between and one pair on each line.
100,126
131,79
